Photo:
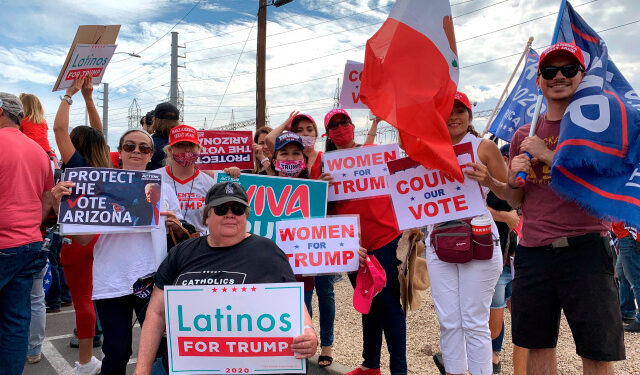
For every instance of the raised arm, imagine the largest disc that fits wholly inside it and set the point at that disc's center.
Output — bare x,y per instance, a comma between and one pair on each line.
87,94
372,133
270,139
61,123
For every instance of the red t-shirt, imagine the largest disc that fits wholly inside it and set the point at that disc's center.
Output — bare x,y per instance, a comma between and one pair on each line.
37,132
547,216
316,168
25,174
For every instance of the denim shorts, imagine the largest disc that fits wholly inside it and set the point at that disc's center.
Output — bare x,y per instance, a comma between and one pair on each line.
503,289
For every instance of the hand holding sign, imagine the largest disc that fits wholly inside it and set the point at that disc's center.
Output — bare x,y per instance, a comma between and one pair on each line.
479,173
305,345
62,188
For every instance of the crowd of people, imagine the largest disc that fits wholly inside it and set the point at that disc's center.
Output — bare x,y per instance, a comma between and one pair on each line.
544,254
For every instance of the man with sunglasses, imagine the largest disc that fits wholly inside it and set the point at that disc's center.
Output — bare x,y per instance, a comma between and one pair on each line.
26,178
228,255
563,262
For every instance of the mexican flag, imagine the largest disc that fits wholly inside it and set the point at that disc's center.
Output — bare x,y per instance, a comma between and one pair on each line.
410,78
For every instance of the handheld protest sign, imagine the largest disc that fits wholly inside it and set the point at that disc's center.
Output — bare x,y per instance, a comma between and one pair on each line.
322,245
421,197
225,148
359,172
350,92
278,198
106,197
238,329
101,44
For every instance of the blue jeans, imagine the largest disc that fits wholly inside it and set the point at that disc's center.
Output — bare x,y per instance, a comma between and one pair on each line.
18,265
630,261
386,315
502,292
38,315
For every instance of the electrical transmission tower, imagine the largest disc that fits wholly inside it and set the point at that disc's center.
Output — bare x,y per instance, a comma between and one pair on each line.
134,114
336,96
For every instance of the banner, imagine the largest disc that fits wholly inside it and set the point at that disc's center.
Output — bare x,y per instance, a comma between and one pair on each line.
225,148
91,59
272,199
319,246
517,109
350,91
596,162
359,172
234,329
422,197
106,197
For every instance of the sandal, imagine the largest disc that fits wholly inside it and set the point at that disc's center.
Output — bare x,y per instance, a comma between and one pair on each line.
325,358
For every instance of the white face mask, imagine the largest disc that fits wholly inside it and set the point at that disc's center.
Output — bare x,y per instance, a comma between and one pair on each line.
308,142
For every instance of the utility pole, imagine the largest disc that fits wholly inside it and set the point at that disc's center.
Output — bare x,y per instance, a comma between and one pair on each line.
105,112
261,102
173,90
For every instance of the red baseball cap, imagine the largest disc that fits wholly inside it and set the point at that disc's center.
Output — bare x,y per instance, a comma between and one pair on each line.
462,98
333,112
183,133
370,280
562,48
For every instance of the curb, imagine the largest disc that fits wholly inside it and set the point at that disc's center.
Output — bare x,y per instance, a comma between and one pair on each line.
334,369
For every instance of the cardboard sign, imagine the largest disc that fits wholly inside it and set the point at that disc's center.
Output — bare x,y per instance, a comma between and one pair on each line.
421,197
323,245
359,172
87,35
222,149
272,199
350,92
234,329
109,197
91,59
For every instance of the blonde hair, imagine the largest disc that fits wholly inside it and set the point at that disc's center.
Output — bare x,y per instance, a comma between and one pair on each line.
32,108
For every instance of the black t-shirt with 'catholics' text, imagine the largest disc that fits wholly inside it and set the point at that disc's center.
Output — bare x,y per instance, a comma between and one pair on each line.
255,260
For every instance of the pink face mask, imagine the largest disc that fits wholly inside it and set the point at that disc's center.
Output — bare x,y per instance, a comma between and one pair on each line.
185,159
290,168
308,142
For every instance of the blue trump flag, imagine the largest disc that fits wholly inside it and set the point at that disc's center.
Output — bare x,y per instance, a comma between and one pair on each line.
518,108
597,158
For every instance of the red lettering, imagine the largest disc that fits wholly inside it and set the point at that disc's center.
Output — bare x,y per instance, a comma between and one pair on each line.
390,156
349,162
332,258
303,233
363,160
459,203
276,207
377,158
334,231
347,231
399,189
416,214
287,234
346,255
353,76
377,182
445,204
299,201
300,259
356,98
317,262
348,186
416,183
433,206
445,176
319,232
334,164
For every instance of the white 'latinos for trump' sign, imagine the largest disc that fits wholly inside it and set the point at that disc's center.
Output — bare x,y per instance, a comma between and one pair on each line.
234,329
320,246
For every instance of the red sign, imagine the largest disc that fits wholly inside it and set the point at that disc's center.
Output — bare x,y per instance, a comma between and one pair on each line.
225,148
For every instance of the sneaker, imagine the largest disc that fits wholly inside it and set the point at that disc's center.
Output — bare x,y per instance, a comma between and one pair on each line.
628,320
34,358
90,368
66,304
632,327
437,359
52,310
497,368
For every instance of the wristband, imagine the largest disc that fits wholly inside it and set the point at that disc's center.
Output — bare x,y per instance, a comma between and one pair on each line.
263,160
310,327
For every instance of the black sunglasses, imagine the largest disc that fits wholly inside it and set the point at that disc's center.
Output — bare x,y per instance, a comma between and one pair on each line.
130,147
569,71
343,122
236,209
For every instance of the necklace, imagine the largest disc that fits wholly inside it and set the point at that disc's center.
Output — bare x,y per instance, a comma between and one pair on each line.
193,179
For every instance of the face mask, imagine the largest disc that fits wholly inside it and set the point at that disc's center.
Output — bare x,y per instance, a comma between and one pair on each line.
341,135
308,142
290,168
185,159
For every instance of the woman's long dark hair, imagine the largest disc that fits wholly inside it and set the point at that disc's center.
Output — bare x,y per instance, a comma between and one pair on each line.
91,145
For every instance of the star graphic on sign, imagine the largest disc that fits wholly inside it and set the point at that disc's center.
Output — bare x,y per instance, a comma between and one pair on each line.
341,244
47,281
224,289
296,246
384,169
413,198
214,290
344,175
253,288
458,188
244,288
234,289
510,129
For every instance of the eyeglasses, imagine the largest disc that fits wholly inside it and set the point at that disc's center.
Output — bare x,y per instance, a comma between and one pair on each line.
343,122
236,209
130,147
569,71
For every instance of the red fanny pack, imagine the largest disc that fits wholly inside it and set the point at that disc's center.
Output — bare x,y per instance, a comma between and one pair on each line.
455,242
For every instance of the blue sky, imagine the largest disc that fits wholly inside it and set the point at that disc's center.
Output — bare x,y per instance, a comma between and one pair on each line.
308,43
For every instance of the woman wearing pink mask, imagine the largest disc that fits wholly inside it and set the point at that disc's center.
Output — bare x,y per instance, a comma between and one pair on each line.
380,236
190,184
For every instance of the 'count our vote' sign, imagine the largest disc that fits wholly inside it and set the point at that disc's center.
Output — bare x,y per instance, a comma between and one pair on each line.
359,172
422,197
234,329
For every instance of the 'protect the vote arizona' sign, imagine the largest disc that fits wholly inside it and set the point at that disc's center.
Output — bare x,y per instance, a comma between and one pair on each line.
359,172
323,245
421,197
234,329
222,149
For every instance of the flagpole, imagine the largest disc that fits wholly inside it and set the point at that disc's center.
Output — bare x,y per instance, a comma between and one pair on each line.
506,88
522,176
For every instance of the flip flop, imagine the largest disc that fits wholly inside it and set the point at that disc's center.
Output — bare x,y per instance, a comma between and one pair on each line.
325,358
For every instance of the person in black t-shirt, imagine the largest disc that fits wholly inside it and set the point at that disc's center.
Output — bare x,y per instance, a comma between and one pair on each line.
228,255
